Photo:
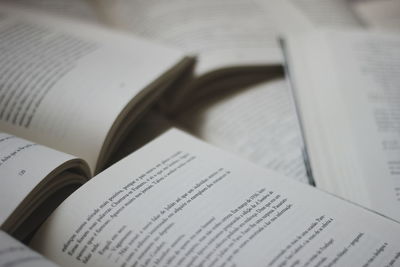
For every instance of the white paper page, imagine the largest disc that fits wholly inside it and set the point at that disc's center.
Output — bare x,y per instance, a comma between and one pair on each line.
379,14
153,124
66,83
350,106
258,123
224,33
23,165
180,202
15,254
80,9
328,13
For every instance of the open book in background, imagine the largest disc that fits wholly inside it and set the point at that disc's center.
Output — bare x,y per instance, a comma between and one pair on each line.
239,63
235,41
181,202
75,87
76,9
258,122
347,86
236,46
71,87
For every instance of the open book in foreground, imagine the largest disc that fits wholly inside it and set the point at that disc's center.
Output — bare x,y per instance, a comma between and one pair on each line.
72,87
180,202
347,87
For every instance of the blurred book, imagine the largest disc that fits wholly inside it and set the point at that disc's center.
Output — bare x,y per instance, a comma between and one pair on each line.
347,89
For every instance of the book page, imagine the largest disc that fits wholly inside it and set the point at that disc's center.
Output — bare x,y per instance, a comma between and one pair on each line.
23,166
327,13
180,202
379,14
150,126
65,83
223,33
15,254
258,123
264,129
80,9
347,86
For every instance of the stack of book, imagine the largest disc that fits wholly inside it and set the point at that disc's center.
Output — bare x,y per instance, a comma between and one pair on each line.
199,133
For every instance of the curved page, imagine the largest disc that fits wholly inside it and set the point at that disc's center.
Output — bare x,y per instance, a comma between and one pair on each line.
347,85
225,33
65,83
24,168
181,202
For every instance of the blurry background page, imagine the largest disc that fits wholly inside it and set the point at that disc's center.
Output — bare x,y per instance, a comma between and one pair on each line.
225,32
258,123
379,14
79,9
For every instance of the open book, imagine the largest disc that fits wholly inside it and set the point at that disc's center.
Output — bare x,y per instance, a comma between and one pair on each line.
237,98
181,202
72,87
347,87
235,44
35,180
53,95
234,40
